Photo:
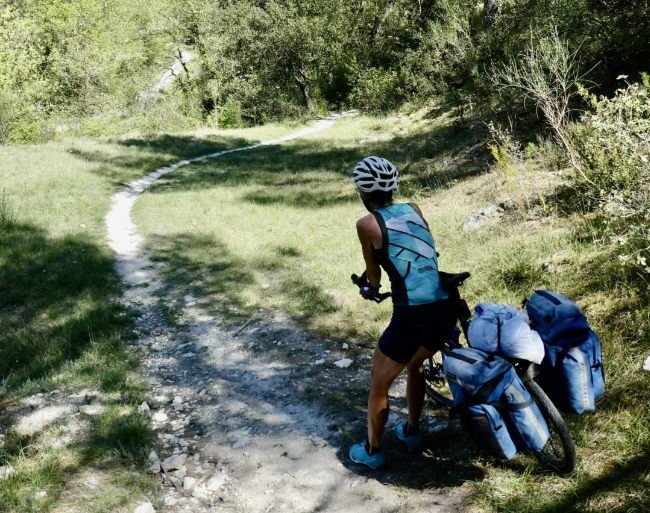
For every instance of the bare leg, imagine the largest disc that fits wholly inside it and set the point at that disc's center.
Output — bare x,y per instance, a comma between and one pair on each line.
384,371
416,386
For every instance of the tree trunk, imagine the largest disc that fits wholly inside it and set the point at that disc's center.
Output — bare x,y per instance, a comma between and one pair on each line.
302,79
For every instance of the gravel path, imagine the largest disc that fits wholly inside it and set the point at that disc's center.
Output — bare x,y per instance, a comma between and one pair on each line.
234,429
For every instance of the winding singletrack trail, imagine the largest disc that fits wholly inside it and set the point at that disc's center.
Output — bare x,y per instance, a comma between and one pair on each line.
245,441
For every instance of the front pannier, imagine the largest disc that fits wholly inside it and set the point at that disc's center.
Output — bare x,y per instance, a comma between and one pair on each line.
495,407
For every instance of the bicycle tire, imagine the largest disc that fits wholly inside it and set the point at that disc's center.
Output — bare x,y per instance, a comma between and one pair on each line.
437,387
564,461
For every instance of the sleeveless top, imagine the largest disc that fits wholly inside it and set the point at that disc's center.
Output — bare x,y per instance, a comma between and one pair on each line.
408,255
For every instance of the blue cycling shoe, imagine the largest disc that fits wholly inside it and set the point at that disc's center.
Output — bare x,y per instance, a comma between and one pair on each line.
413,442
358,454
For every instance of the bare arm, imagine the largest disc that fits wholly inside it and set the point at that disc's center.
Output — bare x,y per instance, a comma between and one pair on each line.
366,234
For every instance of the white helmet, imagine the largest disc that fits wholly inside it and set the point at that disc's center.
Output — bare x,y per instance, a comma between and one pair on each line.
375,174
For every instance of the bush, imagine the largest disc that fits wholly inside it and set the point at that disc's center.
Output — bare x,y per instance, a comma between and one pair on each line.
378,90
613,142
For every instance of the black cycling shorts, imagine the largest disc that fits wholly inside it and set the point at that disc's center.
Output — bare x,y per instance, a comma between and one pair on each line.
414,326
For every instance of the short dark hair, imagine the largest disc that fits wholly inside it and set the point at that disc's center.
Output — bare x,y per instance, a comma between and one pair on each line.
376,199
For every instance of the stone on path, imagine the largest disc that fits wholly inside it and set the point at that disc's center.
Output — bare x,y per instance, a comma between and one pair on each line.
240,443
159,417
189,482
144,407
153,456
175,462
216,482
344,363
147,507
154,468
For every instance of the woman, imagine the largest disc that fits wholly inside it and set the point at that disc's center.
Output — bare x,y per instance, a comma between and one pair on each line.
396,237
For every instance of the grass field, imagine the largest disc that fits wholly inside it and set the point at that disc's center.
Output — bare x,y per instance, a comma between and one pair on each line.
274,228
60,327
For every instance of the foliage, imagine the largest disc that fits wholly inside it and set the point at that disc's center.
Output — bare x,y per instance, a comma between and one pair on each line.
613,141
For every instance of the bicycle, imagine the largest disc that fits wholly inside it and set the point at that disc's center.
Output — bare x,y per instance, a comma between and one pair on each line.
559,452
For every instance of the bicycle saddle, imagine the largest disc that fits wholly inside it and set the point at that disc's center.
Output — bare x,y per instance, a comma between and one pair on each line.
448,280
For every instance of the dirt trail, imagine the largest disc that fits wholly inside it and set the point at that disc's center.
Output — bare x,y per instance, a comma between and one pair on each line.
223,400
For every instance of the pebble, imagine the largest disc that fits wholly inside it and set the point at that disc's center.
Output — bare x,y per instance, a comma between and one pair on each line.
183,443
178,400
266,285
170,501
320,362
38,496
153,456
159,417
188,482
251,345
202,392
154,468
344,363
646,364
216,482
175,462
181,472
240,443
188,355
144,407
147,507
344,346
162,399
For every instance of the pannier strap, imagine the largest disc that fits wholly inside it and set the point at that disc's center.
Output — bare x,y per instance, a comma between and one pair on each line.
510,406
548,296
458,356
480,397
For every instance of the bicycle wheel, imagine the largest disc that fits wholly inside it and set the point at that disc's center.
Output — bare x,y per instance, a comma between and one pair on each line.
559,452
436,383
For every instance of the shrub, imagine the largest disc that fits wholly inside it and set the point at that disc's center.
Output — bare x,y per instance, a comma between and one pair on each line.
378,90
613,142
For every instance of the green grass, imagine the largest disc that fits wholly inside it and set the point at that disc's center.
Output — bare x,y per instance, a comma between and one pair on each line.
285,215
60,327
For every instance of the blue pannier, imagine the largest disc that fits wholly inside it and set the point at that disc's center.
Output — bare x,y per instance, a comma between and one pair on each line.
525,421
556,318
488,395
489,432
574,375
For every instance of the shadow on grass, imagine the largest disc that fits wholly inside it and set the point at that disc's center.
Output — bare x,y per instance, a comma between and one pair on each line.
55,306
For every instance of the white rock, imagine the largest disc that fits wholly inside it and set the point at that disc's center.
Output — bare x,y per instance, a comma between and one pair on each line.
6,472
266,285
344,346
178,400
344,363
188,482
162,399
147,507
202,392
188,355
393,419
191,303
320,362
251,345
646,364
159,417
361,357
216,482
93,485
170,501
183,443
175,462
181,472
37,496
240,443
144,407
153,456
154,468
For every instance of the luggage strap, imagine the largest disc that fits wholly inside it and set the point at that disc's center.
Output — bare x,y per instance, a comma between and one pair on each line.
481,397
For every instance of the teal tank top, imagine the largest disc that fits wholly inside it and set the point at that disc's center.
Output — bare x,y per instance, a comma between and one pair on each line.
408,255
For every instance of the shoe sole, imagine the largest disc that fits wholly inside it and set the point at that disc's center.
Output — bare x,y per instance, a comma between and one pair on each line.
364,463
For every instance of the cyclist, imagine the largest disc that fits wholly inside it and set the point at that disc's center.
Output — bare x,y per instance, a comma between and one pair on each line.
396,237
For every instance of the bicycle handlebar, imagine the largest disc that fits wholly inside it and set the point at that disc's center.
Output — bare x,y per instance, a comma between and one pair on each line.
362,283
